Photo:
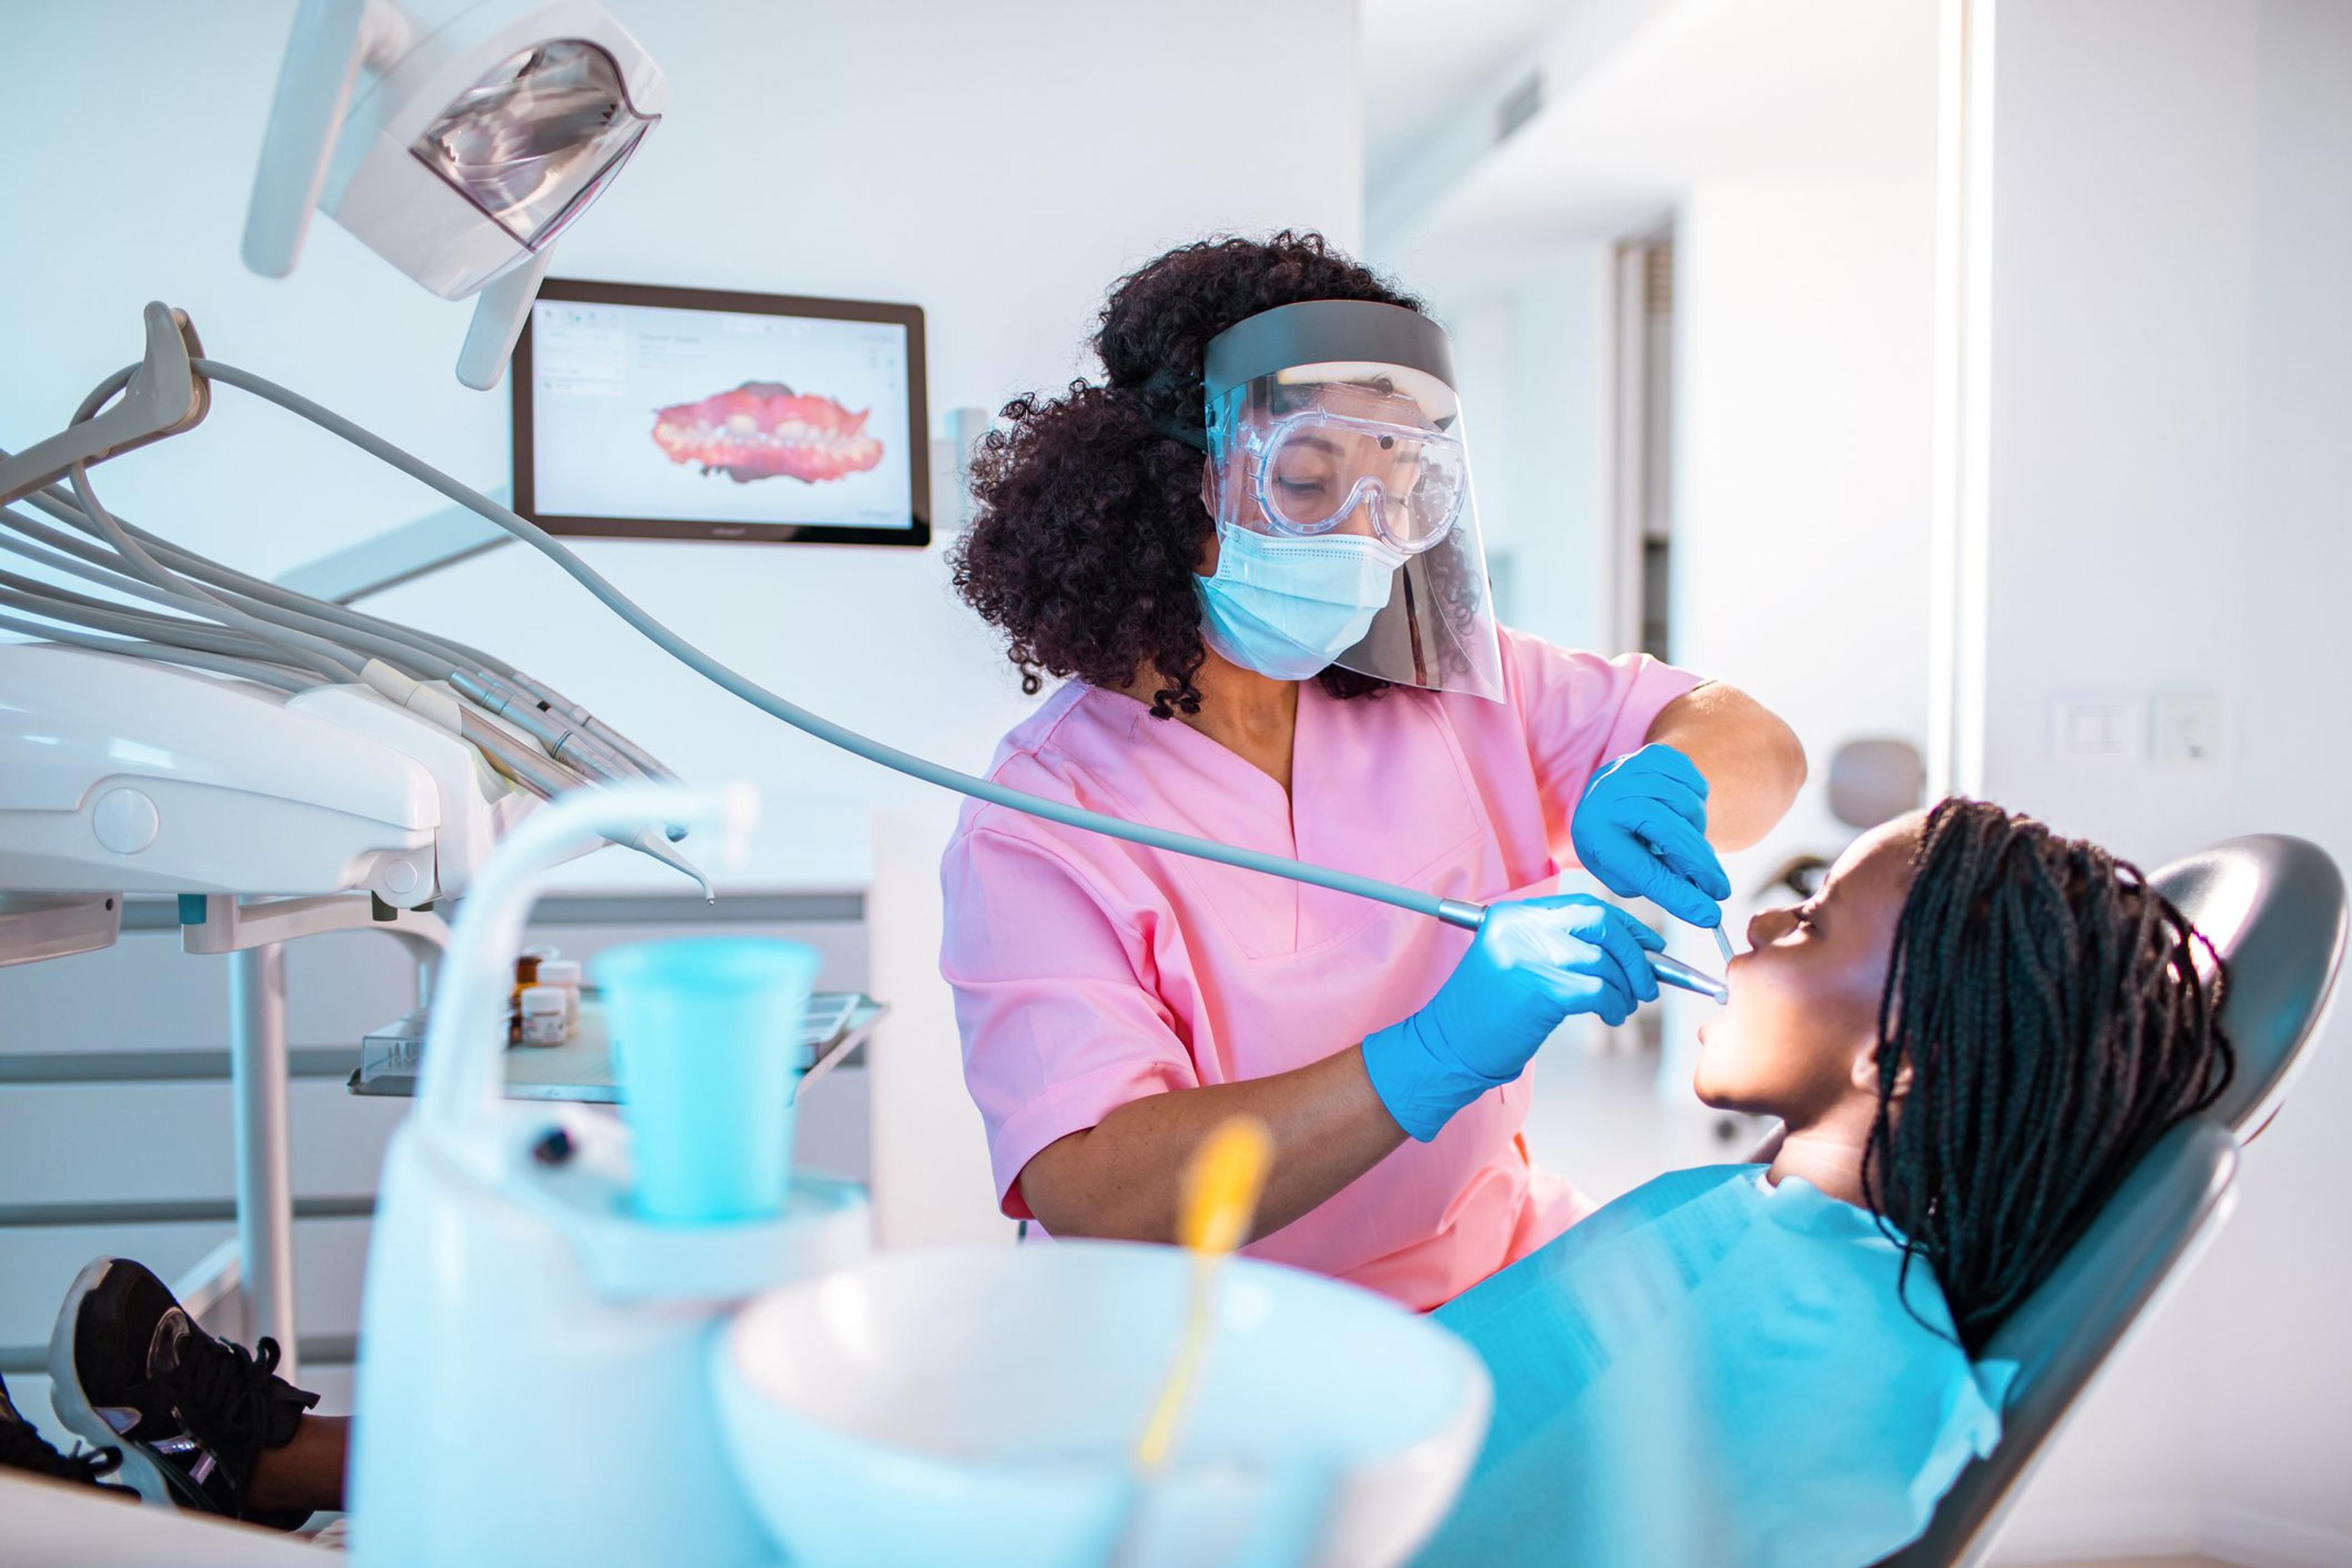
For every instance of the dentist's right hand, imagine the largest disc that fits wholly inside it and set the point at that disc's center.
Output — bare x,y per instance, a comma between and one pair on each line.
1533,962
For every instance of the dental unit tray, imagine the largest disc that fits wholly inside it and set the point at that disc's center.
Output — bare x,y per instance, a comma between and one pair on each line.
580,1071
134,776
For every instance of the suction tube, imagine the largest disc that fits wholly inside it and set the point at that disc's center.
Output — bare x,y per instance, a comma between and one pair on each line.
1453,912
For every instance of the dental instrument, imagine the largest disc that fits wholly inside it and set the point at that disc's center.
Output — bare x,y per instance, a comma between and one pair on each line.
1723,944
1636,830
1674,971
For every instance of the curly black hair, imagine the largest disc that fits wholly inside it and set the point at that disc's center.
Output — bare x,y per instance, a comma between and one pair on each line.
1088,516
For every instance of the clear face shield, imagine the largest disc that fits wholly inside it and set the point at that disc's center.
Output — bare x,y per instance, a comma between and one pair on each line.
1346,527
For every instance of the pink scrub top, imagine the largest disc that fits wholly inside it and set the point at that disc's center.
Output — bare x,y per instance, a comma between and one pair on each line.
1089,972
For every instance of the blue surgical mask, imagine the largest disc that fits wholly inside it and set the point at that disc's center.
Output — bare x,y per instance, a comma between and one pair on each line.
1288,608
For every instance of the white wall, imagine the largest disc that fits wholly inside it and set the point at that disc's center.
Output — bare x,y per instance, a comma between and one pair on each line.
2171,386
998,164
1802,406
2277,1364
1527,327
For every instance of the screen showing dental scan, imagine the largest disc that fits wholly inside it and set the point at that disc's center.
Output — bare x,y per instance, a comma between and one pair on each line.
655,412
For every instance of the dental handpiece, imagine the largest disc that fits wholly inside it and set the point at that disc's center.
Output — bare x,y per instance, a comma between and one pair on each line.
1469,916
1674,971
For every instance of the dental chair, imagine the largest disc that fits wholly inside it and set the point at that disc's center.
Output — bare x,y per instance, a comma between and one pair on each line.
2274,907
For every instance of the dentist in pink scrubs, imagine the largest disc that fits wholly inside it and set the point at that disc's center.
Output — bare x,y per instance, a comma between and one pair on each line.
1253,555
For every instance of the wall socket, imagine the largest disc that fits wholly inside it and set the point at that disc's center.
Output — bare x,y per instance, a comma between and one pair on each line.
2185,728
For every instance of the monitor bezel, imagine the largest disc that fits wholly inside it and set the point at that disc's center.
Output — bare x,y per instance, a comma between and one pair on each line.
917,536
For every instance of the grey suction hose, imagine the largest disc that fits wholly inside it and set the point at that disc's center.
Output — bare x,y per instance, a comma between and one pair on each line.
607,751
1453,912
412,657
329,661
243,669
79,558
301,647
455,654
27,594
582,742
176,630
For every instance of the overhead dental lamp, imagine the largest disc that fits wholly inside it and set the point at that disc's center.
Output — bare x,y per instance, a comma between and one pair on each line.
457,138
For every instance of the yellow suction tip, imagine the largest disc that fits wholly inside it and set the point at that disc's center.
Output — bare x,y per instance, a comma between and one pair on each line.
1222,1185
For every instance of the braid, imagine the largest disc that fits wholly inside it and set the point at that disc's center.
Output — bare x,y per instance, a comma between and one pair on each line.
2050,1010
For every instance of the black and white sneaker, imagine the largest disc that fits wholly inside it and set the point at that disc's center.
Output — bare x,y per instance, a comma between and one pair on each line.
22,1447
189,1411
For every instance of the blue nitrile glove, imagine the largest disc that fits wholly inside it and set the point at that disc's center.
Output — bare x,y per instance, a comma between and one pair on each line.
1641,828
1533,962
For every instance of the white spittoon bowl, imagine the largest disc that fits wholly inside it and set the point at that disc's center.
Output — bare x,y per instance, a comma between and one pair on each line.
978,1406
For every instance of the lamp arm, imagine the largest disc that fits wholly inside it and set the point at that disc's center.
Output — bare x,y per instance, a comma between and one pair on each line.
331,42
499,311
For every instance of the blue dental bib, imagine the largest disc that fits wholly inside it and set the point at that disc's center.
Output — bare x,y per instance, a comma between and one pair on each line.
1712,1371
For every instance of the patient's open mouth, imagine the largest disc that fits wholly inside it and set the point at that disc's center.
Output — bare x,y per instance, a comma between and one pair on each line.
763,430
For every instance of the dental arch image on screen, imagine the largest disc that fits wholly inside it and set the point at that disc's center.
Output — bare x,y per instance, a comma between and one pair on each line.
645,412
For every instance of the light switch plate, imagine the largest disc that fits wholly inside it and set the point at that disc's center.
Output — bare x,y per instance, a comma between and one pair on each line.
2110,724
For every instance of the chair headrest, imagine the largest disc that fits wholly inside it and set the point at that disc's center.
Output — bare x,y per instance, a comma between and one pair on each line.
2113,1270
2274,907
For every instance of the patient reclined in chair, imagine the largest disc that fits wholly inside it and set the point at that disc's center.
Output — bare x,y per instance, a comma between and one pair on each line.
1973,1032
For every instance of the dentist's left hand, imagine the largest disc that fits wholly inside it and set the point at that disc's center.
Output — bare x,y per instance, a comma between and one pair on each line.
1641,828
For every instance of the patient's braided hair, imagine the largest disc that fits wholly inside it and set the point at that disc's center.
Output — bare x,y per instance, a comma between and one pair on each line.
2050,1006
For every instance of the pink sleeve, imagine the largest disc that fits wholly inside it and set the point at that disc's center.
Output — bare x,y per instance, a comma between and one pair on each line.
1581,711
1058,1029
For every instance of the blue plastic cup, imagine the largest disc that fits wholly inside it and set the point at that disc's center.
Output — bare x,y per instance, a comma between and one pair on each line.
708,1036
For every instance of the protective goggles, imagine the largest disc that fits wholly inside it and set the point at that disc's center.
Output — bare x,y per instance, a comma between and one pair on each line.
1337,414
1315,470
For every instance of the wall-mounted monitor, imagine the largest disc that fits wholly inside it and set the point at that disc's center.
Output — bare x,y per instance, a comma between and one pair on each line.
652,413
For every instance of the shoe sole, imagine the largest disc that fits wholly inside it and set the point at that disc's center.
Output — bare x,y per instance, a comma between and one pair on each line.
155,1481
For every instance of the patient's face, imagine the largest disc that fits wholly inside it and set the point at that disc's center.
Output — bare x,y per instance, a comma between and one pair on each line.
1804,999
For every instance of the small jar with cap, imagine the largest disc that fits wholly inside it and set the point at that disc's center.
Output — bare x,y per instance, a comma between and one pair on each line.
564,975
546,1015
